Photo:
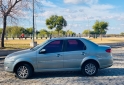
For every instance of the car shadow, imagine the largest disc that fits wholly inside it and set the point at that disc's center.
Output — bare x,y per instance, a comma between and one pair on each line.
57,74
101,72
111,72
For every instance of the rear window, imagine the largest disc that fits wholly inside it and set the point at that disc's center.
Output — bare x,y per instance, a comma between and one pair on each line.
75,45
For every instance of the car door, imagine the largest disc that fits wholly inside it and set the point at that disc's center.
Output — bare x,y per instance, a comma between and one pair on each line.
74,52
52,58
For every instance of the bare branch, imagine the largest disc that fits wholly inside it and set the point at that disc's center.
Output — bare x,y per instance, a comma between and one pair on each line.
13,19
1,7
9,10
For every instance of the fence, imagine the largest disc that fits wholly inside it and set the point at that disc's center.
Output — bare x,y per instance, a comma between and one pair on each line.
26,36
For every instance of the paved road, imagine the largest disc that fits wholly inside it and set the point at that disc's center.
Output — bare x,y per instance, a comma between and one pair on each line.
110,76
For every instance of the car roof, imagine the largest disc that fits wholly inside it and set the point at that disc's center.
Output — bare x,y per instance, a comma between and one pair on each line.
67,38
64,38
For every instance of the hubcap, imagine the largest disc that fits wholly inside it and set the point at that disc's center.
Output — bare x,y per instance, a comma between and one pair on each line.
22,71
90,69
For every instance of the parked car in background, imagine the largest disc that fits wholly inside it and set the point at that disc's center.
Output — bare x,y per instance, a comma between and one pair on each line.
60,54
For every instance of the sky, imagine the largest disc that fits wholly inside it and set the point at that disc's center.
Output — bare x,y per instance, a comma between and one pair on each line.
79,14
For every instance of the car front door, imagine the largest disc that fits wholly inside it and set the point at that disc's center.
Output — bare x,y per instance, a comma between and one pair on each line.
52,58
74,52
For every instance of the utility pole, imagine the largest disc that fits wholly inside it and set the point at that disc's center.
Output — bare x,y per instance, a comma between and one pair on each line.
33,26
33,43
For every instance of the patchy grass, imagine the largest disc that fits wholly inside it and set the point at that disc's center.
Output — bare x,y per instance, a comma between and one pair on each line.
20,44
107,40
24,44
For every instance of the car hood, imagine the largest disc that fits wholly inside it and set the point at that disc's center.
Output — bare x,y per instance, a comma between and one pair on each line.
19,52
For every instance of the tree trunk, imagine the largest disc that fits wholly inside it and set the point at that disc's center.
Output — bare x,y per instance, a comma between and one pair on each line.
50,34
58,33
101,37
4,29
101,34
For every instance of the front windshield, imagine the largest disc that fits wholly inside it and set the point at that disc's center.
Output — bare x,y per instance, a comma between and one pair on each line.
38,46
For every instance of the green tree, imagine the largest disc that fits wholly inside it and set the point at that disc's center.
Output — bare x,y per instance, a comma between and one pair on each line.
100,27
14,31
54,33
86,32
8,31
43,33
122,33
57,22
37,33
70,33
62,32
29,30
90,33
93,34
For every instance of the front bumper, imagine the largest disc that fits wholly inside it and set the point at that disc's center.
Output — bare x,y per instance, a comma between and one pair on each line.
8,66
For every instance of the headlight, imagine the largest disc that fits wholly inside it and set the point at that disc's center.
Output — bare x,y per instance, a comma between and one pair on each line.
9,59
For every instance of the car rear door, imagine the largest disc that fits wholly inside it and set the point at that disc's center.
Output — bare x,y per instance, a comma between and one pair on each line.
75,51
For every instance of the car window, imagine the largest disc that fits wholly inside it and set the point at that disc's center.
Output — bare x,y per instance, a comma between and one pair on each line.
75,45
54,46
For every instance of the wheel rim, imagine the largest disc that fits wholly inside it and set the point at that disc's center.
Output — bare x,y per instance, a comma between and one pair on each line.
90,69
22,72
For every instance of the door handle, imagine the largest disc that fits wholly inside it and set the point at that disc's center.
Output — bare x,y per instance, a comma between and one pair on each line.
83,53
58,55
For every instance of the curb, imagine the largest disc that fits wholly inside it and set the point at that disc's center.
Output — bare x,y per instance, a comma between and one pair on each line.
2,57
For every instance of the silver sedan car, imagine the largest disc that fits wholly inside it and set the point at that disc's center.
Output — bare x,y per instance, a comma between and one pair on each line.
60,54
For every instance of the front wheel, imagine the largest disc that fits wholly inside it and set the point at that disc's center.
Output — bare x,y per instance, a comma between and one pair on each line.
23,71
89,69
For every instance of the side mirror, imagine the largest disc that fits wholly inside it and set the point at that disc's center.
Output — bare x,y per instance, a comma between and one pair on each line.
43,51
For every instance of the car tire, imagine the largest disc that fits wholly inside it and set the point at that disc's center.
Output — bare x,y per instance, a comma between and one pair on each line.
23,71
89,69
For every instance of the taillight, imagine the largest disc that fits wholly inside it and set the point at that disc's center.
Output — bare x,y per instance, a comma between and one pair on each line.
108,50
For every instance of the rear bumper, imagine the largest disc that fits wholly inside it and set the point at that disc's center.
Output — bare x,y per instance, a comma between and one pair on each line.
106,62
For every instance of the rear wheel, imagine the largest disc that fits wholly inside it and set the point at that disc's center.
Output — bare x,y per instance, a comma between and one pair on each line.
89,69
23,71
